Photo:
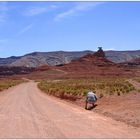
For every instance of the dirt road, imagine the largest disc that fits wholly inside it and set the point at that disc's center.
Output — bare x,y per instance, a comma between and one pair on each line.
26,112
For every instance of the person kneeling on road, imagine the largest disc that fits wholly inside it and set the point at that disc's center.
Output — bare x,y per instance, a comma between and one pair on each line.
91,98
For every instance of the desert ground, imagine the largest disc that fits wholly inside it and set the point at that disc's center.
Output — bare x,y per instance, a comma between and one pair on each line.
26,112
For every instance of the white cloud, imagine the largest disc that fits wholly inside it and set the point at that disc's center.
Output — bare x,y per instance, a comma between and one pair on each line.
108,49
25,29
79,7
32,11
35,11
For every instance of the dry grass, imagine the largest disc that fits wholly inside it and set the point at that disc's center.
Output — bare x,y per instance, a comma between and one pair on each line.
78,88
6,83
137,80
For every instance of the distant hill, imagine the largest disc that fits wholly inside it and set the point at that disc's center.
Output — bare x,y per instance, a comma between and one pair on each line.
61,57
132,63
8,60
96,64
43,58
89,65
8,70
122,56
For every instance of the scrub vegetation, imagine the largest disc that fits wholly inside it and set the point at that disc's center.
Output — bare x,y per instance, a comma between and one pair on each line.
78,88
6,83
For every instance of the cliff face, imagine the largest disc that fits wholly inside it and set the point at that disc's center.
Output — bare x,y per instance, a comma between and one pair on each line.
96,59
99,53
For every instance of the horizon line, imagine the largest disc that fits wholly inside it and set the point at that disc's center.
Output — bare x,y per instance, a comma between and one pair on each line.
28,53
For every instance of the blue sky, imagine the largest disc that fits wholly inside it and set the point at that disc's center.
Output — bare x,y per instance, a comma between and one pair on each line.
69,26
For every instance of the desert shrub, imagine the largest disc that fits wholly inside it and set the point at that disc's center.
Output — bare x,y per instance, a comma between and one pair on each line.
75,87
7,83
137,79
138,90
101,95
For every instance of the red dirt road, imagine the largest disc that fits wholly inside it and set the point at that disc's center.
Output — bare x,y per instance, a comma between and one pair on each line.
26,112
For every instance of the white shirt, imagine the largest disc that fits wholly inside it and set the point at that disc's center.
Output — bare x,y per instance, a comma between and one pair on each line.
91,96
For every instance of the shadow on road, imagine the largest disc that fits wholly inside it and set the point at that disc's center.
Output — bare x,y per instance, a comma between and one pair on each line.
91,107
